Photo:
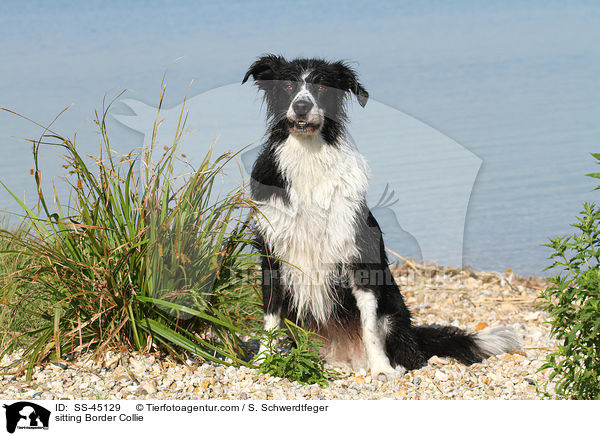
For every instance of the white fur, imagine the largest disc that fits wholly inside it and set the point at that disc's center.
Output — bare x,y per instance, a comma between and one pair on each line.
373,336
497,341
272,321
385,324
316,231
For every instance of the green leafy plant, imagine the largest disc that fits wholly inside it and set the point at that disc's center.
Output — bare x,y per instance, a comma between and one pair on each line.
573,302
595,175
139,257
302,363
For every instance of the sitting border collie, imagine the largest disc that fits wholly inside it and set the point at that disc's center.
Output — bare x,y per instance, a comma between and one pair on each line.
323,258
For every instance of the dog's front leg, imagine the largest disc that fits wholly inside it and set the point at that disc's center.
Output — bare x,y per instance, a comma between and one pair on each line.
373,336
272,294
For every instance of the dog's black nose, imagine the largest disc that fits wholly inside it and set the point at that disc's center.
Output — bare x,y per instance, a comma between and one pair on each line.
301,107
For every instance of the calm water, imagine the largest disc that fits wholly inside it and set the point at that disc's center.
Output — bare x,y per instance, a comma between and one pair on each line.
481,120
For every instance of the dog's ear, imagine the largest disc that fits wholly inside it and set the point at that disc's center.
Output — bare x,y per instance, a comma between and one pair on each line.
265,68
349,82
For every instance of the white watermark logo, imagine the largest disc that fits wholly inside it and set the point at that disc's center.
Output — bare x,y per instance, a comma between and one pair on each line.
421,180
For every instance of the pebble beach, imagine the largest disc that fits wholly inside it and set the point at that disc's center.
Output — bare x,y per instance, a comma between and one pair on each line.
475,301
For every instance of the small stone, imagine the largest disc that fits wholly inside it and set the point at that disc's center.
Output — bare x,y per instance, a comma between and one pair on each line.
508,307
441,376
400,393
149,387
480,326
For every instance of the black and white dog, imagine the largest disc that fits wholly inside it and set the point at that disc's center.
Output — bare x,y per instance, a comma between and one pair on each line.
324,262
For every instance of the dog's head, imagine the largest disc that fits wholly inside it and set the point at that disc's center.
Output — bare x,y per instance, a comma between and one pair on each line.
306,96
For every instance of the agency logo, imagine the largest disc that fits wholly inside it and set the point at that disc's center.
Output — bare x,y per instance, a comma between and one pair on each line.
26,415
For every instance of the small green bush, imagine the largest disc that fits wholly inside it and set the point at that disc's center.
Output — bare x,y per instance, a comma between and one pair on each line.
139,257
573,302
302,363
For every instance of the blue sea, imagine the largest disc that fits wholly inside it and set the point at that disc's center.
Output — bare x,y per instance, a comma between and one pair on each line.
478,130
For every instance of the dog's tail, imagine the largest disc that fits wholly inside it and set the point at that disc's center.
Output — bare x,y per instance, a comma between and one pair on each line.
468,348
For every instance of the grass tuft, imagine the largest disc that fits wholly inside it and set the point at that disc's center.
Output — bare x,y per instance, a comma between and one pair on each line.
137,259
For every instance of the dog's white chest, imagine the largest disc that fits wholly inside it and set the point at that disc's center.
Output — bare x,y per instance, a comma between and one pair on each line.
314,233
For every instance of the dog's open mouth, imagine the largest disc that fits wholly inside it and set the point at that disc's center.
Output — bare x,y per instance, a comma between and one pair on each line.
304,127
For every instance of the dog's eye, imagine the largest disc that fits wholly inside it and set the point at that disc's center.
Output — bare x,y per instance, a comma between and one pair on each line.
287,87
322,89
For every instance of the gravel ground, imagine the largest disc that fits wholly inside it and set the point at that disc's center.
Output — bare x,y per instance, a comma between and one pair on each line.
463,298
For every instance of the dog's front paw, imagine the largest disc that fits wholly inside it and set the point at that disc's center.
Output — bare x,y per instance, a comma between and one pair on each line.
387,373
261,355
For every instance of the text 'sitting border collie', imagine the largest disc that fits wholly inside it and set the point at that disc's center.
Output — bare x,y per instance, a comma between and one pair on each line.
323,257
